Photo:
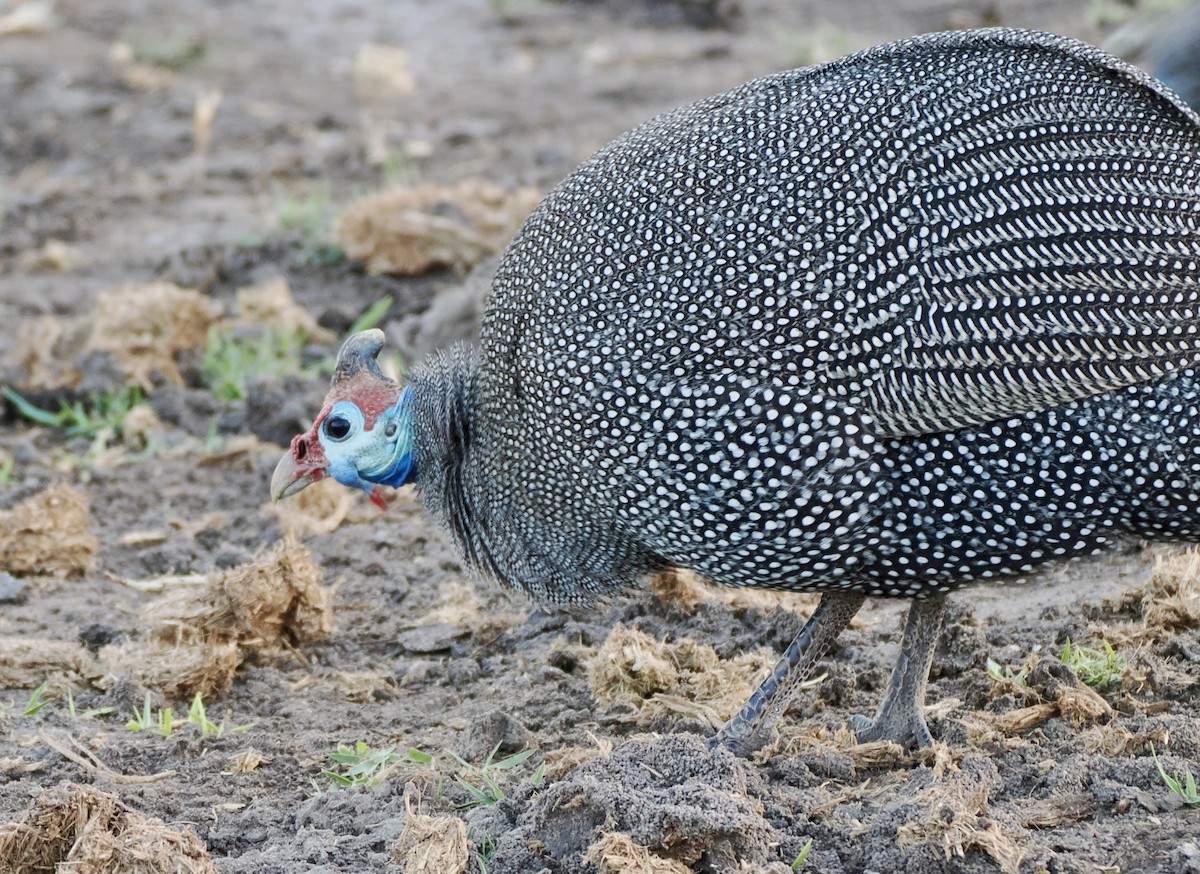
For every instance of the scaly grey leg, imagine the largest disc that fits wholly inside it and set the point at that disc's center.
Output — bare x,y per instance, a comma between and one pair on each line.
901,716
771,698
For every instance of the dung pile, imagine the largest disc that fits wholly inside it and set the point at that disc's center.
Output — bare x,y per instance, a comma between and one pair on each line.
198,635
79,828
432,844
144,328
410,231
668,801
48,534
683,678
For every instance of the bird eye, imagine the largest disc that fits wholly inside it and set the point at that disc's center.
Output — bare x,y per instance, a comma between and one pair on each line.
337,428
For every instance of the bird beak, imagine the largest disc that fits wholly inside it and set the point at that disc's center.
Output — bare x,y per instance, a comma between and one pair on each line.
291,477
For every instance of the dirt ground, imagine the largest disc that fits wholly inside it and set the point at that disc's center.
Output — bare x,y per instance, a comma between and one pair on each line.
151,147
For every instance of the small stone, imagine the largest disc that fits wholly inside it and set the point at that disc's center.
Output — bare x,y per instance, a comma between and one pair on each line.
12,590
428,639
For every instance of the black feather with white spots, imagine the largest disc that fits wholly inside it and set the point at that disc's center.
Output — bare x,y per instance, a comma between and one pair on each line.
867,326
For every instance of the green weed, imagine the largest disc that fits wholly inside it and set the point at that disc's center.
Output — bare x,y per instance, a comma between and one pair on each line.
482,781
230,361
1003,673
198,716
486,851
1184,786
100,418
174,49
361,765
7,464
309,219
800,859
38,699
399,171
371,316
1101,669
86,714
161,723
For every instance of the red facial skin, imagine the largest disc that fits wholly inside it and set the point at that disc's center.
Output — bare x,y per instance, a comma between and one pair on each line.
305,461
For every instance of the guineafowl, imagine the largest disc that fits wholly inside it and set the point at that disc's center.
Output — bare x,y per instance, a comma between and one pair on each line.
923,316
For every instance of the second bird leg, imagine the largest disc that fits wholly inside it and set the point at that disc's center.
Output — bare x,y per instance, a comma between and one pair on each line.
901,716
772,696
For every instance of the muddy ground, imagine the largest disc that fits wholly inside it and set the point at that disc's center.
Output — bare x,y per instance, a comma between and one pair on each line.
210,146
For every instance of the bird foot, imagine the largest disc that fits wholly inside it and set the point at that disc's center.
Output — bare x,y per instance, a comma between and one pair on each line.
908,730
742,746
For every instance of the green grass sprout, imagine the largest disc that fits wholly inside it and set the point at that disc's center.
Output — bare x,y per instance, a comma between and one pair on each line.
361,765
482,781
1102,669
86,714
1184,786
800,859
162,723
99,418
38,699
230,361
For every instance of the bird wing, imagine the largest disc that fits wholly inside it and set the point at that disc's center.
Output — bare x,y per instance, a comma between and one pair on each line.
1053,219
939,232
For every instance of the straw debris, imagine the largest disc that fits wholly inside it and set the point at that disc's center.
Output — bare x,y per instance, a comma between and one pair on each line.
319,509
49,533
198,635
411,231
271,305
684,678
616,853
25,662
1168,602
686,590
961,822
432,844
147,327
79,828
271,602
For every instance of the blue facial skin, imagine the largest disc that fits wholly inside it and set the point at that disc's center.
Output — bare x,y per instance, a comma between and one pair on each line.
361,458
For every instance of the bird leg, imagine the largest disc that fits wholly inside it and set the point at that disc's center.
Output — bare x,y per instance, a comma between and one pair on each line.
901,716
771,698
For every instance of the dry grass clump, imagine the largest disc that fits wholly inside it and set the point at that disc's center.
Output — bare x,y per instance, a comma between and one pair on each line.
432,844
50,534
44,349
271,305
684,678
1054,811
274,601
198,635
319,509
1170,599
562,760
410,231
26,662
960,821
617,853
146,327
79,828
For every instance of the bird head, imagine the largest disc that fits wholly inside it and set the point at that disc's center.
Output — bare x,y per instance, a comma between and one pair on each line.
363,436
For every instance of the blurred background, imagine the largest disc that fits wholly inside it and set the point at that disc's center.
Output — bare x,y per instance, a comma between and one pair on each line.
214,143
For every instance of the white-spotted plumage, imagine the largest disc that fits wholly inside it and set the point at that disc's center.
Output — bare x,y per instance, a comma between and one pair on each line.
921,316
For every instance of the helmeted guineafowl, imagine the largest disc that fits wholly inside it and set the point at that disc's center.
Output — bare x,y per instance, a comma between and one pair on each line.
922,316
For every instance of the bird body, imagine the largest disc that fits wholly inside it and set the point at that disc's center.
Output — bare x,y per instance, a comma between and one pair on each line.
922,316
